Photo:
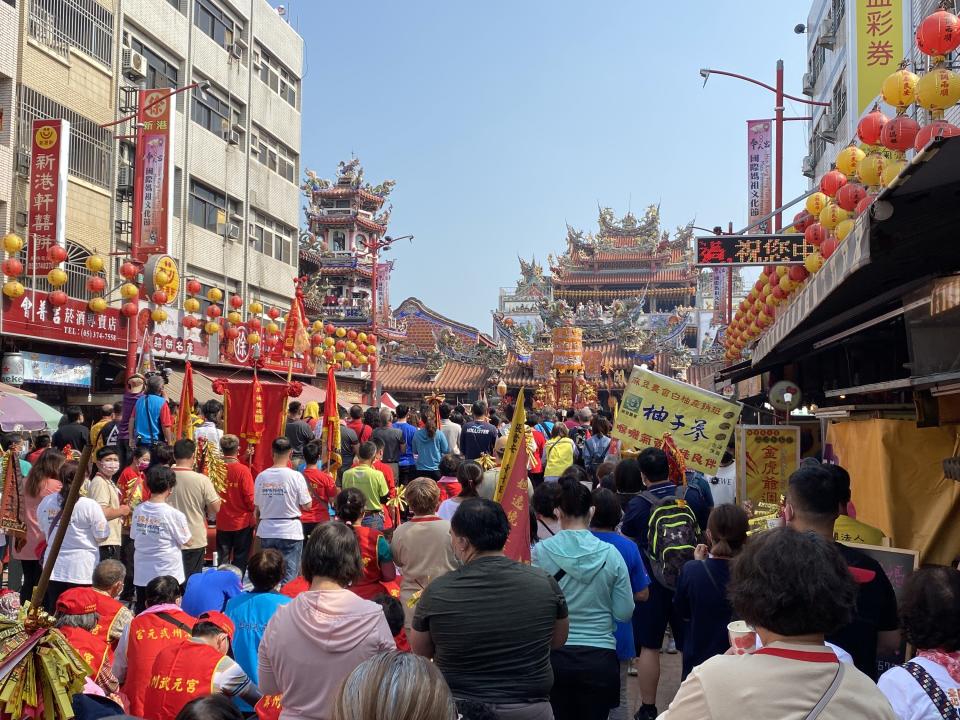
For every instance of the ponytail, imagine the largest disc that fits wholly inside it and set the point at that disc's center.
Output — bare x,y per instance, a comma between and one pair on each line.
728,525
430,425
469,475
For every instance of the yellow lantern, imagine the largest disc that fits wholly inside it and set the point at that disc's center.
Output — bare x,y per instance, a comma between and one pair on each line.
787,285
832,215
843,229
57,277
13,289
97,304
329,342
191,305
351,345
362,360
317,326
253,338
891,169
272,328
339,356
849,159
361,337
212,327
813,262
347,364
128,291
94,263
214,295
781,270
938,89
340,332
234,317
12,243
255,308
159,315
870,170
161,278
900,88
816,203
317,351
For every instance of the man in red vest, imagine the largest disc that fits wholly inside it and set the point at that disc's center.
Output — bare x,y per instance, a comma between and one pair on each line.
161,625
113,617
196,668
76,617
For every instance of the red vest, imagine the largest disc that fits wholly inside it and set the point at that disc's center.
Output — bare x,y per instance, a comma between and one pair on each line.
268,707
368,586
181,673
94,650
107,610
147,636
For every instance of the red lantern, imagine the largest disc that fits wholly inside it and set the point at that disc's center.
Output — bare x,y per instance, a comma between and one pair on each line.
352,334
214,311
802,220
129,309
938,128
56,254
340,345
371,360
371,339
194,287
12,267
815,234
328,354
938,33
849,195
253,323
832,181
798,273
190,322
316,339
870,127
232,333
57,297
96,284
160,297
780,293
130,271
274,313
236,302
828,247
899,133
864,204
329,329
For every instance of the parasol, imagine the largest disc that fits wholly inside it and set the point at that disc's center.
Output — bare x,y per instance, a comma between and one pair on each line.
21,412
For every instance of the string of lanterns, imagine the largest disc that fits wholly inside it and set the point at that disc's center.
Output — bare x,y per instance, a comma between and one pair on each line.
859,173
343,348
12,267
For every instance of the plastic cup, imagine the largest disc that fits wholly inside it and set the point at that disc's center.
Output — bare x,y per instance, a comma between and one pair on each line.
743,639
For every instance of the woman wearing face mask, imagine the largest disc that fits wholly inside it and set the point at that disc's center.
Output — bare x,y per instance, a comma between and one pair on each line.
105,492
133,491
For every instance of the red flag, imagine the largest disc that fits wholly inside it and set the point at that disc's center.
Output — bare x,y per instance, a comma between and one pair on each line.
184,425
296,339
516,503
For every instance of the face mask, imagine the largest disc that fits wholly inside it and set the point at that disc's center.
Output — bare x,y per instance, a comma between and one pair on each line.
109,467
143,464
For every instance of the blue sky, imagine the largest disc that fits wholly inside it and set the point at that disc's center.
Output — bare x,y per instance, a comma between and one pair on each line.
502,121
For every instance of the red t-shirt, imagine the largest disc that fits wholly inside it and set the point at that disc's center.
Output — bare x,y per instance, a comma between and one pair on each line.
130,478
296,586
391,485
364,432
236,512
323,491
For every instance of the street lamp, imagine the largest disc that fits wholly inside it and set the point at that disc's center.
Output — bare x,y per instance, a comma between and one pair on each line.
373,245
779,119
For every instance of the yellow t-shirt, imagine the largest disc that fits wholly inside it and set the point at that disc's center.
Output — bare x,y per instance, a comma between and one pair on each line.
846,529
370,482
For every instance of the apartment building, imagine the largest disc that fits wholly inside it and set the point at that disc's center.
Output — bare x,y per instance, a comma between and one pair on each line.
237,136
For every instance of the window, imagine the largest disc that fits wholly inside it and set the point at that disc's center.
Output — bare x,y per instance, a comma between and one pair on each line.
275,155
83,25
339,241
818,146
839,104
275,76
839,6
209,207
161,73
91,147
273,238
177,187
212,109
215,22
819,58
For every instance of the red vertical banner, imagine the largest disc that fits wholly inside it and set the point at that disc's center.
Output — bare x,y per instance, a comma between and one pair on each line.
153,180
47,214
759,173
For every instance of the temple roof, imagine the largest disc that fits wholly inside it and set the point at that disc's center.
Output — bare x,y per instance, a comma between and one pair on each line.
453,377
623,276
414,307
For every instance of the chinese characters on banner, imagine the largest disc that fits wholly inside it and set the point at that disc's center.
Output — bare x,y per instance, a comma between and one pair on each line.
720,295
32,315
768,455
699,422
752,249
46,217
759,173
879,46
153,182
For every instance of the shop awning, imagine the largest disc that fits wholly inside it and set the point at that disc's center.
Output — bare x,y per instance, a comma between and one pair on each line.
388,401
904,241
202,386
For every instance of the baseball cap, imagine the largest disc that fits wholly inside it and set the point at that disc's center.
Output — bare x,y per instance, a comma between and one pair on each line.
220,620
77,601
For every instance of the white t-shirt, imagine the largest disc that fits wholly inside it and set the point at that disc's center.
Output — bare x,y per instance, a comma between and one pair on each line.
80,551
279,494
448,507
209,431
908,699
158,531
723,485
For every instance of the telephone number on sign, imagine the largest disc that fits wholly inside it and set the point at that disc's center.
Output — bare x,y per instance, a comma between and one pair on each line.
88,334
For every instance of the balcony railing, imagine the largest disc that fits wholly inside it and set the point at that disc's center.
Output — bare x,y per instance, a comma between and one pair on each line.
76,287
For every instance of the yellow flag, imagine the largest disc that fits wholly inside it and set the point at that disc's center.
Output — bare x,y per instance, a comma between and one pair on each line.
517,435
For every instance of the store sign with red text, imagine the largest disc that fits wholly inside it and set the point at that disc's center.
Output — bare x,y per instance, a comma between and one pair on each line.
239,353
46,216
170,339
32,315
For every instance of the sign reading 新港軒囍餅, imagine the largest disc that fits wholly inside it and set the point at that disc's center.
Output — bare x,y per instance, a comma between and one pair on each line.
780,249
699,422
768,456
47,209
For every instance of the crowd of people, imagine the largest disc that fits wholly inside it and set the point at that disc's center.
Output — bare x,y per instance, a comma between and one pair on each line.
382,590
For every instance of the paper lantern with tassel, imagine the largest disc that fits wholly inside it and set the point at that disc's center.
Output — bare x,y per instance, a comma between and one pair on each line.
938,89
848,159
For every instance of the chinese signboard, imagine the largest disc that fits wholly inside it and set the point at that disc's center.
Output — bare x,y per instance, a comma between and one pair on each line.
55,370
699,422
720,280
759,173
879,31
32,315
153,183
782,249
768,455
239,353
170,339
46,217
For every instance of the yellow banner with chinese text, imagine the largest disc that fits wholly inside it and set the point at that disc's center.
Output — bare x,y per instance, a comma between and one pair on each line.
879,31
768,456
699,422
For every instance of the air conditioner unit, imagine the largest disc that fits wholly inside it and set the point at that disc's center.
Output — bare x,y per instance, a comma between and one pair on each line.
828,34
232,137
23,163
238,127
21,218
125,177
828,127
228,230
236,50
808,167
808,84
134,64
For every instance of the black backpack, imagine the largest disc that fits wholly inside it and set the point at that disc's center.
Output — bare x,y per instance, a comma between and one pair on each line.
672,535
579,437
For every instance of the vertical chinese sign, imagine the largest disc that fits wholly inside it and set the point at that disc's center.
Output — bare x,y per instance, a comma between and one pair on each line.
46,218
759,173
880,46
153,183
720,295
768,456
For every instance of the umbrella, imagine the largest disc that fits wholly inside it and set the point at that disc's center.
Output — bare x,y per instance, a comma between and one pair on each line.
20,412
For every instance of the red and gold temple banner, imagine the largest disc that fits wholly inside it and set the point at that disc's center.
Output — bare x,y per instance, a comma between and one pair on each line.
153,181
511,490
296,339
769,454
331,424
255,415
11,513
47,213
184,423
